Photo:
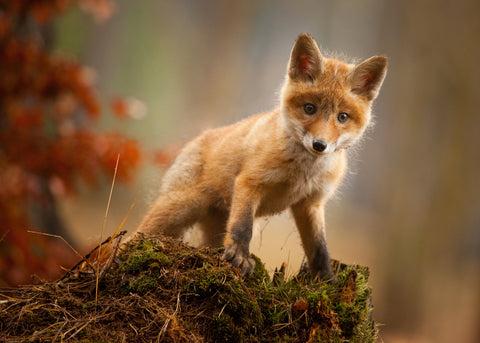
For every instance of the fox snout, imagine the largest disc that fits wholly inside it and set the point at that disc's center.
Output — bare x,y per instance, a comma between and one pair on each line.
319,145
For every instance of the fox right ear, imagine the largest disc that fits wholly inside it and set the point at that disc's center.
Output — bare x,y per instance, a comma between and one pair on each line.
306,61
367,78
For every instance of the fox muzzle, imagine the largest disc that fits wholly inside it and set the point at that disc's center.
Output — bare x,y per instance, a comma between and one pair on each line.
319,145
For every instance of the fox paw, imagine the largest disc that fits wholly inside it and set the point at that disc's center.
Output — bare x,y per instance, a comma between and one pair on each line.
325,273
239,257
321,270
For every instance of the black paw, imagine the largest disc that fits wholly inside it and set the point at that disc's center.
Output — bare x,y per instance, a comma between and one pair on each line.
239,257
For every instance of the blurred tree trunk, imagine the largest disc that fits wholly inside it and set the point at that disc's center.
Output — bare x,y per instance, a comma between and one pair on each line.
432,190
42,206
46,213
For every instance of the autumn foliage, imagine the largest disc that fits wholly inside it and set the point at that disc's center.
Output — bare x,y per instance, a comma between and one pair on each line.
48,142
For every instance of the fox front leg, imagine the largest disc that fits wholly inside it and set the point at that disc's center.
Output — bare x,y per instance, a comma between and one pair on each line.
237,247
309,218
239,230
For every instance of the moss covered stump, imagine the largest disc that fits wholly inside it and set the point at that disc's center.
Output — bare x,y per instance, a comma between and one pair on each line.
162,290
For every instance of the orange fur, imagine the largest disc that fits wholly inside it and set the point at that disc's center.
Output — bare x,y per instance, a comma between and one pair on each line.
226,177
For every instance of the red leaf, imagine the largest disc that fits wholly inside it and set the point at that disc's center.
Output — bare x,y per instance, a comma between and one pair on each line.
163,158
300,305
119,107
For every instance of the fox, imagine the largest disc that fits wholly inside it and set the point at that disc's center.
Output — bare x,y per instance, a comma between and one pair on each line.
293,157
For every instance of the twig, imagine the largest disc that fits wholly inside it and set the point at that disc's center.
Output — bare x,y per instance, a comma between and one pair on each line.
286,240
83,327
223,308
261,233
167,321
59,330
103,227
90,320
110,259
121,224
87,256
56,236
281,326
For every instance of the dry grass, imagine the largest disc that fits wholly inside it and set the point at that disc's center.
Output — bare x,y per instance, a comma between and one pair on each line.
160,290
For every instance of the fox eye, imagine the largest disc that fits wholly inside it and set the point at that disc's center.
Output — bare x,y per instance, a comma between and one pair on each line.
309,109
342,117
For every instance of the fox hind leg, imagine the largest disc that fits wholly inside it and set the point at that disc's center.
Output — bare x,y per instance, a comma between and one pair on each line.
173,213
213,226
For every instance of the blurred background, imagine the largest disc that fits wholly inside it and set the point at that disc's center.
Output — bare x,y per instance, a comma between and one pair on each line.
162,71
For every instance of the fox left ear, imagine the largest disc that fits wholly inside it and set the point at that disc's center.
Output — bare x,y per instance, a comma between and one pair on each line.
306,61
367,77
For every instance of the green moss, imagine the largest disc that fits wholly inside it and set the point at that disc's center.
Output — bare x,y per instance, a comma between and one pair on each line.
259,277
207,280
237,315
89,305
146,256
141,284
141,266
225,329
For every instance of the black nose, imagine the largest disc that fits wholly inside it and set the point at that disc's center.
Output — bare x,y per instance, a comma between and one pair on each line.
319,145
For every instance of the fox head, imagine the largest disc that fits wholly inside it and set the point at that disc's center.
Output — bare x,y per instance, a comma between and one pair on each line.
326,103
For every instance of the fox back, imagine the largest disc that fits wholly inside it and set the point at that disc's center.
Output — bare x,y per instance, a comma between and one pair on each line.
292,157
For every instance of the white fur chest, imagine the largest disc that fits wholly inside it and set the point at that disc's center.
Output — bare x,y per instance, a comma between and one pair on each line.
303,176
311,176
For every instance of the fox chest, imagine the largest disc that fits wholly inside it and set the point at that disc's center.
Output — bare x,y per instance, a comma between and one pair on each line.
286,187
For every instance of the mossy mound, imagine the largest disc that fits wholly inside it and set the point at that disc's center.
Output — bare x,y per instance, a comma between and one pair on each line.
163,290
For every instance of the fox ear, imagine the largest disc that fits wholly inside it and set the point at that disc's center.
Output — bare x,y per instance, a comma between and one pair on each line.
367,77
306,61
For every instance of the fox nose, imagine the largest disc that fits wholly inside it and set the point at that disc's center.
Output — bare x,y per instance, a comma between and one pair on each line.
319,145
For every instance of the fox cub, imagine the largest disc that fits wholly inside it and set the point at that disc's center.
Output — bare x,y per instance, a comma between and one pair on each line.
291,157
